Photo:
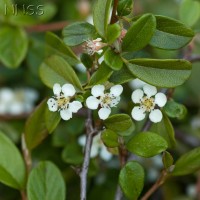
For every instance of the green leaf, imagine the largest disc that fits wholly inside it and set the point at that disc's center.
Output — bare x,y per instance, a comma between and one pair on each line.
175,110
170,34
54,45
46,182
6,9
147,144
121,76
77,33
56,70
140,33
166,130
35,127
187,163
124,7
101,15
113,32
189,12
167,160
113,60
110,138
101,75
14,45
87,60
72,154
162,73
52,119
122,124
12,167
131,180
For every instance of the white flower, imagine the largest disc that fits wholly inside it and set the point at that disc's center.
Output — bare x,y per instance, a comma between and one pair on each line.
61,101
147,99
94,46
104,100
97,148
136,84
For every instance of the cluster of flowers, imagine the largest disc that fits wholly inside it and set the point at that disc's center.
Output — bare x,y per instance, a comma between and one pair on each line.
17,101
146,101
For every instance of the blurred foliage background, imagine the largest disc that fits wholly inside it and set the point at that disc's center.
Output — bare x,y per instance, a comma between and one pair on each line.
21,89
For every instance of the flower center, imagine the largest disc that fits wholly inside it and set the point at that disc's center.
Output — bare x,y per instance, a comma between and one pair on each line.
106,100
148,103
63,102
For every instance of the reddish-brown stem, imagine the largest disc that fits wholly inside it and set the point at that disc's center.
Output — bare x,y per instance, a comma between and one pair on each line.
157,184
56,26
23,195
114,12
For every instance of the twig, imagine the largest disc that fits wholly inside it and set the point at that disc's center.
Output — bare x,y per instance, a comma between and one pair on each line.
157,184
56,26
28,163
114,11
26,154
89,139
193,59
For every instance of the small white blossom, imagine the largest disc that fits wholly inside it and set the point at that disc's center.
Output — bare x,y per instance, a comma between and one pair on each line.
94,46
61,101
105,100
98,148
147,99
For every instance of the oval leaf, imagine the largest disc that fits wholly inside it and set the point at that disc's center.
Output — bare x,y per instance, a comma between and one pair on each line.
113,32
187,163
101,75
77,33
162,73
101,15
147,144
56,70
190,12
54,45
124,7
110,138
113,60
170,34
14,45
12,167
46,182
140,33
122,124
131,180
35,127
166,130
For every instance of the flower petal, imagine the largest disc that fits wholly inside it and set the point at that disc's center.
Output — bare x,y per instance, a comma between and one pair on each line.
94,151
98,90
75,106
115,101
116,90
160,99
92,102
104,113
52,104
57,89
105,154
82,140
137,96
68,90
66,114
155,116
137,84
138,113
150,90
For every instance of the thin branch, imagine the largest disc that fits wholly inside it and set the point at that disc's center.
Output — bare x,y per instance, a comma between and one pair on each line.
56,26
157,184
28,163
84,171
26,155
114,12
194,59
